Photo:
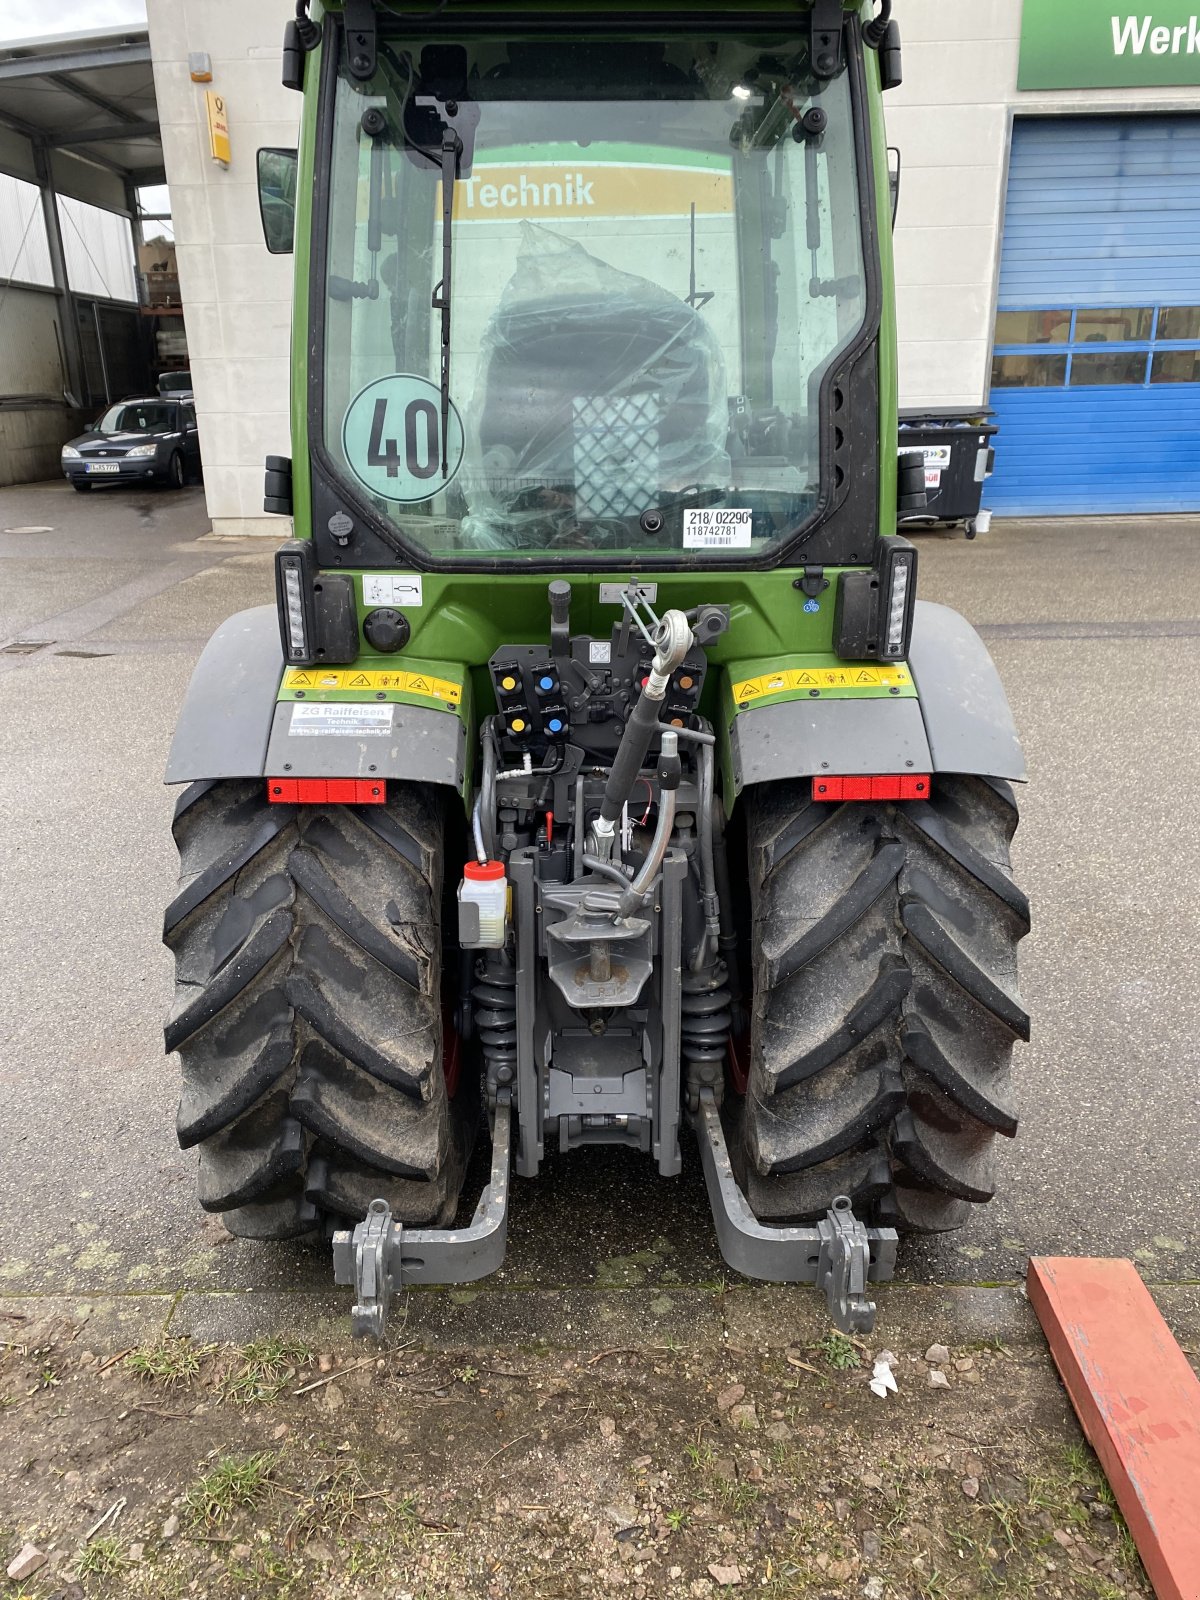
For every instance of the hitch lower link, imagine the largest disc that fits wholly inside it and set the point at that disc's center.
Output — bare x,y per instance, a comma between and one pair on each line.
382,1256
840,1255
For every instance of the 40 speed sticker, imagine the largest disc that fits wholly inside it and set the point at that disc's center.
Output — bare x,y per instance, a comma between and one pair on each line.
392,438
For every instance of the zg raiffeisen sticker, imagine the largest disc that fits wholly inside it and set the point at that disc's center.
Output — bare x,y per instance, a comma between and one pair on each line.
392,438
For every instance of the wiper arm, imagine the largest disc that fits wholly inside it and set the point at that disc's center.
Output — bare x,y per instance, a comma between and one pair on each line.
452,147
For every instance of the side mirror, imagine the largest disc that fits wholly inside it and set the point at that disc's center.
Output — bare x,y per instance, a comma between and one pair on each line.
894,180
277,198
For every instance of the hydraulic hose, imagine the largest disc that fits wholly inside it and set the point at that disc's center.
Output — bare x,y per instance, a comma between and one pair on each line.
637,891
672,642
606,869
487,790
708,872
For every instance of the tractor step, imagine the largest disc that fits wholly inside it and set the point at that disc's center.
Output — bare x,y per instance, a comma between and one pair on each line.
381,1257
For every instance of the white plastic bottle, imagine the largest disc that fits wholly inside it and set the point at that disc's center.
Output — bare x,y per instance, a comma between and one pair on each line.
484,885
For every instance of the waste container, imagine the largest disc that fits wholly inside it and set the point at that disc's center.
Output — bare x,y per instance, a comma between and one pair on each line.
958,453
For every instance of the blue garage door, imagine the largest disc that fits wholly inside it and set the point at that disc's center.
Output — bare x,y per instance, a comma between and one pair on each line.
1096,372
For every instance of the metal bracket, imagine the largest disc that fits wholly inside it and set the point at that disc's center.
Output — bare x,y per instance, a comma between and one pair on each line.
361,37
840,1255
844,1265
826,24
382,1256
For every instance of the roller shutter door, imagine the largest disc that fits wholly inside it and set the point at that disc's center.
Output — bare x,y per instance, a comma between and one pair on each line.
1096,371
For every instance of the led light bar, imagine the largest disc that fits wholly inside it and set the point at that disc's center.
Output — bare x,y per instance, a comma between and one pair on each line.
897,598
294,598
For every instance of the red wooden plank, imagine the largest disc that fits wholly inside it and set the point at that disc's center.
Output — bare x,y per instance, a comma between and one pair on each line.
1138,1401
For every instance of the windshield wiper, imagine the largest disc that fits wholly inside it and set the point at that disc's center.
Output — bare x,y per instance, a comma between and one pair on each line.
452,147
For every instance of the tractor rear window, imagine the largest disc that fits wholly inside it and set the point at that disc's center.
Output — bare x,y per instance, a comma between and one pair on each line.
580,295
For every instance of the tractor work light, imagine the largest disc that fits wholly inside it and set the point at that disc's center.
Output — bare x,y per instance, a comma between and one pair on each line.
899,592
294,597
873,611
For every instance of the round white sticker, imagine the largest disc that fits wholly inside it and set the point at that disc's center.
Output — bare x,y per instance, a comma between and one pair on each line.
392,437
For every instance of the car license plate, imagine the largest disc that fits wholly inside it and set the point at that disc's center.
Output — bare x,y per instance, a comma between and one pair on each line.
104,466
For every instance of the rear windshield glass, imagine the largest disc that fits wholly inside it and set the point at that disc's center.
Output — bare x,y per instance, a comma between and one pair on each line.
137,419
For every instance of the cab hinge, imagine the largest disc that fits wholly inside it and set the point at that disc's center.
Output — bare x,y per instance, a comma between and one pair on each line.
826,28
361,37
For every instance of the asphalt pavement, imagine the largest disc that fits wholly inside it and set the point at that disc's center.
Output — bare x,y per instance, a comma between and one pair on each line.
105,602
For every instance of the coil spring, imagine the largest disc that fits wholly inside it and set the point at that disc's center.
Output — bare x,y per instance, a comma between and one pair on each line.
495,996
706,1016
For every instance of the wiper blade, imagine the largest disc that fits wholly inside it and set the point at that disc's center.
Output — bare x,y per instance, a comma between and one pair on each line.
452,147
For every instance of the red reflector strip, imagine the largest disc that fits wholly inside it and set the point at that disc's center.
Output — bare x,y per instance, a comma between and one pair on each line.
327,791
885,786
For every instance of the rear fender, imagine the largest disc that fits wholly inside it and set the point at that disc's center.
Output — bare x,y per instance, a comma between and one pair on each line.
959,720
232,724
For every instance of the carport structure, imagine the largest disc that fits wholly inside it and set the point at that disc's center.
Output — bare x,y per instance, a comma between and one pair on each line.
79,121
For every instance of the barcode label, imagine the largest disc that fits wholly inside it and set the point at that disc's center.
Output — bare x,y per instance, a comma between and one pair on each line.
718,528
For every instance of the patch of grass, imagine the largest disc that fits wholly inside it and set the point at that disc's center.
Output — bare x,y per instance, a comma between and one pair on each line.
235,1483
699,1454
330,1508
265,1369
739,1498
288,1578
676,1519
103,1558
168,1362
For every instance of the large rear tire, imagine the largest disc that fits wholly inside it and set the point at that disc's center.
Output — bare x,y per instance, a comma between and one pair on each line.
308,1008
885,1003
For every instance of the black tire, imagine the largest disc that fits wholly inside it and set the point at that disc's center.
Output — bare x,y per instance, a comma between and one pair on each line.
308,1008
885,1003
176,476
80,486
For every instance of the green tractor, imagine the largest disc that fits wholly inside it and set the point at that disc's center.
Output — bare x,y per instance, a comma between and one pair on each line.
598,777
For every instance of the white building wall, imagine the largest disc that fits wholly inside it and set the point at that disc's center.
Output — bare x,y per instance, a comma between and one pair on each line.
951,120
236,297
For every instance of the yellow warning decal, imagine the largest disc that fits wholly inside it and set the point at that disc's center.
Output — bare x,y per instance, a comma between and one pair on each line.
850,677
318,679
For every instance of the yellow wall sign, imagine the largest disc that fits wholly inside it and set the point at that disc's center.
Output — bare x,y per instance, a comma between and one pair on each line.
218,126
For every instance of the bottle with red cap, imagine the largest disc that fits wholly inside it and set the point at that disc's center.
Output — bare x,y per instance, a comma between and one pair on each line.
483,905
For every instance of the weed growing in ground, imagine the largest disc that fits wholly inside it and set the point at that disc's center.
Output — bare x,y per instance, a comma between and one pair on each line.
265,1369
103,1558
236,1482
839,1351
169,1362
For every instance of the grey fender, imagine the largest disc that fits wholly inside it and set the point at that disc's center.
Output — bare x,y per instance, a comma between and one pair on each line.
232,726
960,721
226,717
963,704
